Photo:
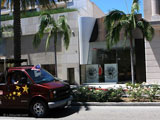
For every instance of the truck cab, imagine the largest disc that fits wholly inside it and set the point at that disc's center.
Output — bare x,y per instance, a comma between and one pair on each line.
33,88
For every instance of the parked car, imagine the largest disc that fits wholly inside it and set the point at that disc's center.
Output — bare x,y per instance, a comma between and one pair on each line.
33,88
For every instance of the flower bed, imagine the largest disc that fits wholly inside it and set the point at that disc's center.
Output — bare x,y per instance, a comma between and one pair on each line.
132,93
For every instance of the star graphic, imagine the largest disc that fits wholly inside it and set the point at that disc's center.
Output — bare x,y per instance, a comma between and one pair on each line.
19,94
25,89
10,94
13,98
17,87
14,93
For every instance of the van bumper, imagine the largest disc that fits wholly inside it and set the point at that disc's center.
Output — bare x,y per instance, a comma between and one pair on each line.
65,102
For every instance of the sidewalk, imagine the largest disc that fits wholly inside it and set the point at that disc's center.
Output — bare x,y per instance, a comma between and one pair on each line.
115,104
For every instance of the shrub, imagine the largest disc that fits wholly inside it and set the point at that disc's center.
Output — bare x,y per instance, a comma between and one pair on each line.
86,94
152,92
135,91
141,91
115,95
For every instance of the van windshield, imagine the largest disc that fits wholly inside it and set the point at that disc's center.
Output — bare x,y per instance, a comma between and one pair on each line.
40,76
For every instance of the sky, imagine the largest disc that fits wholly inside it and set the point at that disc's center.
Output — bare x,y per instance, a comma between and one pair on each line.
124,5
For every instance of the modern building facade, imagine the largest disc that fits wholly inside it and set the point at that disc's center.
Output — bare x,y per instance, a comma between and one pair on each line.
103,66
68,60
152,49
87,61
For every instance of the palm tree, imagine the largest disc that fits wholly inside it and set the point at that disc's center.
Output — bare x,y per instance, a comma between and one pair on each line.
23,4
117,20
53,28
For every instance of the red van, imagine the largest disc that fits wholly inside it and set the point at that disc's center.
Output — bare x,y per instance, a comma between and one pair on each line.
33,88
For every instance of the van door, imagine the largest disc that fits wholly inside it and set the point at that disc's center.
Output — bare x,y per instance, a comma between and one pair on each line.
3,91
18,90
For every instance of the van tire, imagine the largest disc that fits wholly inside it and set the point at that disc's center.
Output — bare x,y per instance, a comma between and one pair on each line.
38,108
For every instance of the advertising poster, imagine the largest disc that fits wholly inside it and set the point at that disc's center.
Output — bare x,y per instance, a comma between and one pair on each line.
92,74
111,72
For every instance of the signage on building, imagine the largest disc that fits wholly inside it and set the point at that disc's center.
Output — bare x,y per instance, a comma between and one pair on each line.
92,75
111,72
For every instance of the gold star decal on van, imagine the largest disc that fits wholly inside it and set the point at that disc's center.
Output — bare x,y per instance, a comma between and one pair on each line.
17,87
25,89
13,98
19,94
14,93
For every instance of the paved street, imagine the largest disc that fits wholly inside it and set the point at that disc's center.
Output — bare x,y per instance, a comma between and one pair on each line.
93,113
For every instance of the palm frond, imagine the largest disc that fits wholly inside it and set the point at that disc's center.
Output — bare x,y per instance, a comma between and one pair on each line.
45,20
113,17
36,41
113,36
48,41
133,21
66,30
146,28
135,7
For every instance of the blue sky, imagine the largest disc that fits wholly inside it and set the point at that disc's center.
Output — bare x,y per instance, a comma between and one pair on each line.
108,5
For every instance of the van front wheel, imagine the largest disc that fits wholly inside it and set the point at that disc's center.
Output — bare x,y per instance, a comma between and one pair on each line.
39,108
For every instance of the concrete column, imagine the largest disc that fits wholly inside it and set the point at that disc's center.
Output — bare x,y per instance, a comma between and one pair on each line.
155,7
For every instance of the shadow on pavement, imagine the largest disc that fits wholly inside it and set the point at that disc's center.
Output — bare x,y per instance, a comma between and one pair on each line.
60,113
53,113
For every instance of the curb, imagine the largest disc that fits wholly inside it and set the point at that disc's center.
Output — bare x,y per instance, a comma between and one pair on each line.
115,104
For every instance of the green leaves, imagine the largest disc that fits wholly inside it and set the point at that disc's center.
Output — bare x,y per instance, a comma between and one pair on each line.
66,30
146,28
117,21
135,7
37,40
52,28
112,17
87,94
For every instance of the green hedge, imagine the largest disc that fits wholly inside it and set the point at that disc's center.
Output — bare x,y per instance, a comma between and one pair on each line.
36,13
86,94
133,92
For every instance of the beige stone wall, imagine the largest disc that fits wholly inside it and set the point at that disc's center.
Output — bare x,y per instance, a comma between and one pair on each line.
65,58
152,50
147,9
152,10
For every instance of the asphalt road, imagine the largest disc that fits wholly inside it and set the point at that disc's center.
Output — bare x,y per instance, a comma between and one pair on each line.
92,113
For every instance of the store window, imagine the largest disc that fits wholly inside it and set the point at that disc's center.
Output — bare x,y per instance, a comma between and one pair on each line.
106,66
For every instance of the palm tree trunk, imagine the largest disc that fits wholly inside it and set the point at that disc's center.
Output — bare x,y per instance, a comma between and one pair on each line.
17,31
55,56
132,59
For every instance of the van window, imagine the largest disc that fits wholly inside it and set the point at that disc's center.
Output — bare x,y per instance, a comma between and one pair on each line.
2,78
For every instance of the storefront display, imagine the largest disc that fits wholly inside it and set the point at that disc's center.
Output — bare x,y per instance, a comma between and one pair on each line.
92,75
111,72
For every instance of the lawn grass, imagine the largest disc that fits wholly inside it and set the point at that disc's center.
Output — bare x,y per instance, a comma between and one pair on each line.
36,13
